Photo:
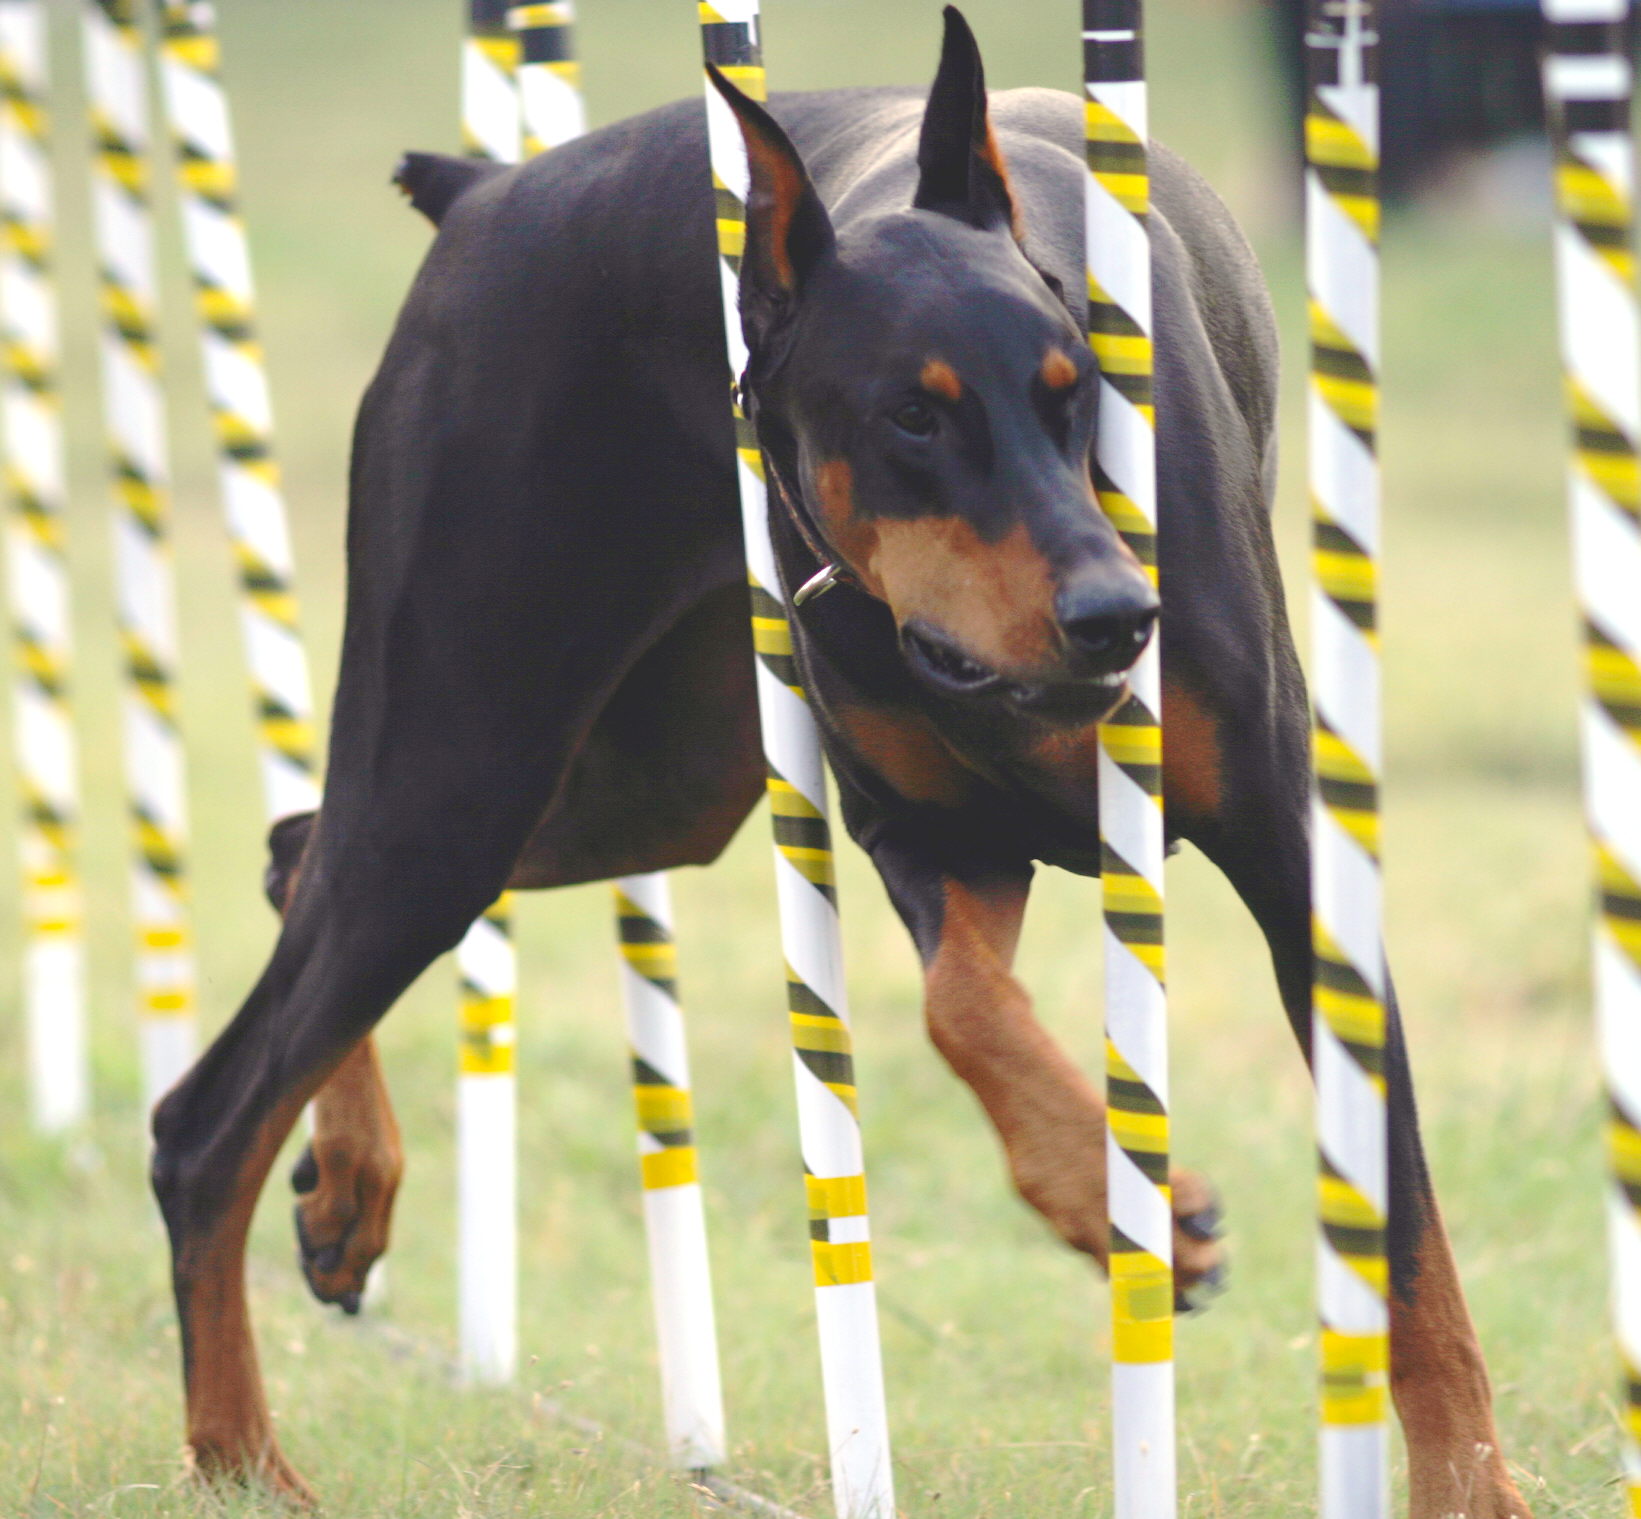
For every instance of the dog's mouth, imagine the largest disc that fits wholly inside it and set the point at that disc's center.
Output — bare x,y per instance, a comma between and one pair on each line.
940,664
945,666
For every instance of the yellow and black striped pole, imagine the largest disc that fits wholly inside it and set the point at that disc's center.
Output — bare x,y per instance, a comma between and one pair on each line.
1348,1020
549,75
1589,87
133,399
486,961
53,950
823,1063
1118,200
237,388
674,1213
487,1150
549,85
490,98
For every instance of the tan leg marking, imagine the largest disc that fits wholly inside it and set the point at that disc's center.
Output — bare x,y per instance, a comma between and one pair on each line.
1440,1385
1047,1113
230,1431
346,1218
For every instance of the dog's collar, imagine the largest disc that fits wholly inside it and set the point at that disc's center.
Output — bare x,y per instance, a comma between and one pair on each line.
834,569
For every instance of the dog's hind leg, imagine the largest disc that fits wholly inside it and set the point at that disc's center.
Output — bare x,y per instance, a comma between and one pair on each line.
374,904
1240,791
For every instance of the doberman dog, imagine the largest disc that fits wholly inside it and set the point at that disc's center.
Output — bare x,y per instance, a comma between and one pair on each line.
546,674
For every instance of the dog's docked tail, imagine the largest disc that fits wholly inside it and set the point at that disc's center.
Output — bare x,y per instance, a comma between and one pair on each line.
435,181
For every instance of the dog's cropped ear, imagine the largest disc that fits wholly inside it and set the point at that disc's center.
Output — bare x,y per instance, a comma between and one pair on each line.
788,232
960,171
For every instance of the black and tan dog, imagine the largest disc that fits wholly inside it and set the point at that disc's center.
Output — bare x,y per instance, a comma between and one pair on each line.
546,676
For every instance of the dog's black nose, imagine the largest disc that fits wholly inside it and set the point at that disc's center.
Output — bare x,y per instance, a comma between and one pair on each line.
1106,625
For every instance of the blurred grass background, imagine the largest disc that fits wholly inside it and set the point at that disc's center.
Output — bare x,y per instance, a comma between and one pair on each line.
994,1336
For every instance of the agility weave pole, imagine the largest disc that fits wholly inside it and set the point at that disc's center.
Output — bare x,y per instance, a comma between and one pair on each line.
553,113
1589,87
134,421
1348,1006
823,1062
1131,826
53,950
674,1211
491,124
549,76
487,1149
236,384
486,961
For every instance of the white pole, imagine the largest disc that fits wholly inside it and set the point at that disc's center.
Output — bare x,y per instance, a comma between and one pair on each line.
236,381
674,1216
1348,1021
1589,85
1117,198
823,1059
487,1153
486,961
133,399
53,951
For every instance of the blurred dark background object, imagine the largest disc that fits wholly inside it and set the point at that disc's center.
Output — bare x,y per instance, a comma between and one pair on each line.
1459,80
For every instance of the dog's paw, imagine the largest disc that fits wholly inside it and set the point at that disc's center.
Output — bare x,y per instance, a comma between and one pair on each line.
343,1210
1200,1262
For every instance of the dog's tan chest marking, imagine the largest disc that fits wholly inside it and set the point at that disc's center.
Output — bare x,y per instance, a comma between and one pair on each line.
904,749
1192,760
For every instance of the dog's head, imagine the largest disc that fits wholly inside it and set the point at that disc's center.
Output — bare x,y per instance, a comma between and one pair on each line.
933,405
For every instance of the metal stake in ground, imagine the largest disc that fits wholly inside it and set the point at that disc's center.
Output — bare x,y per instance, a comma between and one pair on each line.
486,961
237,389
829,1126
133,398
53,948
1348,1018
549,86
1118,198
1589,85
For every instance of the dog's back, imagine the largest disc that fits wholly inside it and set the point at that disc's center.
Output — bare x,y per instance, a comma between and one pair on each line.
586,279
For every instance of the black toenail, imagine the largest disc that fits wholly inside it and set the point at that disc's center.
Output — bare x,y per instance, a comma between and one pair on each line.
1202,1292
349,1302
327,1260
305,1173
1206,1224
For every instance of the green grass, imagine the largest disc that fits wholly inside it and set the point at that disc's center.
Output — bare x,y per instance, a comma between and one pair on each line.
994,1337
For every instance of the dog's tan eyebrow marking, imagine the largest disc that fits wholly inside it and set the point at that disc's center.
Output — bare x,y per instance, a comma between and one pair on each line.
1058,371
940,379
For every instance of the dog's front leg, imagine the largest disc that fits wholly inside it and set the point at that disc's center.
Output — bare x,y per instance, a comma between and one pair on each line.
1047,1113
349,1172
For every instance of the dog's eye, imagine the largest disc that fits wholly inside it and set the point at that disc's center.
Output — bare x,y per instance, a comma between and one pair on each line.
917,419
